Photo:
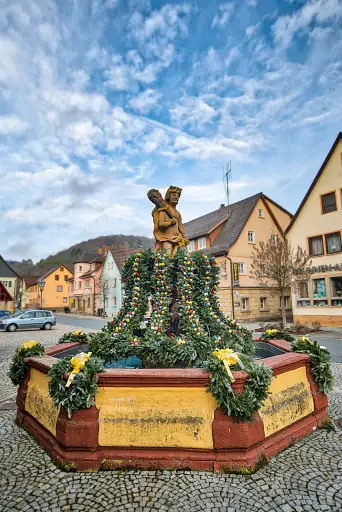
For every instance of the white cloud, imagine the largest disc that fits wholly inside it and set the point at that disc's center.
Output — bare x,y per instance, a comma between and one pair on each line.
12,125
223,16
145,101
318,11
169,22
193,112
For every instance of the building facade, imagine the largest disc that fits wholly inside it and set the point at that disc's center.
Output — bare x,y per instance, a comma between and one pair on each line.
85,285
230,234
111,296
10,281
54,295
317,227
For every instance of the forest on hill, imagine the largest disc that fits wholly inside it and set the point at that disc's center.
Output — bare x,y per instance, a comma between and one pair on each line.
68,256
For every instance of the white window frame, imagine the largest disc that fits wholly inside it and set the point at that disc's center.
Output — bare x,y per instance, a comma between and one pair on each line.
202,239
191,246
260,213
243,264
65,300
251,237
244,303
114,282
262,303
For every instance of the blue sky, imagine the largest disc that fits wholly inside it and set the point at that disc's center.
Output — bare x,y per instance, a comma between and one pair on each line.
101,100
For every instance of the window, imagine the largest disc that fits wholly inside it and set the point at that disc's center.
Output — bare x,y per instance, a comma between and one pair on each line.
251,237
244,305
9,284
336,291
88,302
114,282
333,242
40,314
274,239
303,294
241,268
66,277
114,301
59,288
262,302
87,284
92,266
61,269
319,288
191,245
262,270
202,243
260,213
316,246
329,203
79,285
56,277
28,315
65,300
80,268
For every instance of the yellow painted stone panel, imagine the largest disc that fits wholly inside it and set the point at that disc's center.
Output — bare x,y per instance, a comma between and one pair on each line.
38,402
291,400
156,417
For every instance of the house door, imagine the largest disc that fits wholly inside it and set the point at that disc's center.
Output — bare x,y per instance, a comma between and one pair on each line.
84,306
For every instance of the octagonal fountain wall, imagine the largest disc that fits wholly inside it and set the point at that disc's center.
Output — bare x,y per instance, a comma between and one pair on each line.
165,419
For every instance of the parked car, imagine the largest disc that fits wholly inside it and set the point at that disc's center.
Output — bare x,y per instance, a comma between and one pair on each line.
4,312
28,319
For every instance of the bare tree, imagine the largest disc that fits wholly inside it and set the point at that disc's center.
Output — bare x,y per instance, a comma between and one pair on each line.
20,294
103,286
276,264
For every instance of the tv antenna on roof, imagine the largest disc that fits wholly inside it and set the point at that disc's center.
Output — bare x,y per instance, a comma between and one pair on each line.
227,177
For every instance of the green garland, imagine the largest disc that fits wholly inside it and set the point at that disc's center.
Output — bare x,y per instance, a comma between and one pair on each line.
320,362
75,336
18,366
274,334
240,405
81,393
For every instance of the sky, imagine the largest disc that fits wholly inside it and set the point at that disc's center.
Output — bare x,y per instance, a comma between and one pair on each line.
101,100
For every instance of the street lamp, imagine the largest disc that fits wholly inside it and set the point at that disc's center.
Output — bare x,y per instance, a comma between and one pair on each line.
41,285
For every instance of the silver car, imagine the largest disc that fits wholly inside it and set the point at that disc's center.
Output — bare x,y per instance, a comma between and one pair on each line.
28,319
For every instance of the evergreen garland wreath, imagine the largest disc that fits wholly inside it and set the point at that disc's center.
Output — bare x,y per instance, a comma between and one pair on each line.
320,362
75,336
274,334
81,393
240,405
18,366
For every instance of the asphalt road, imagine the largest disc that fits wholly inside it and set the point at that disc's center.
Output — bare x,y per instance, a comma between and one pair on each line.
331,340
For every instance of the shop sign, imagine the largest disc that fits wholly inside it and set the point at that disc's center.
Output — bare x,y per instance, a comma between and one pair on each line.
325,268
236,281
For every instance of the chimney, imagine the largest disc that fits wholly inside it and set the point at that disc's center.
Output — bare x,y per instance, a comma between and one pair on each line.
222,205
100,250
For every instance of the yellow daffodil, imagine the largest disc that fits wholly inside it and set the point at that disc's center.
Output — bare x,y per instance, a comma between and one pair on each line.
78,333
28,344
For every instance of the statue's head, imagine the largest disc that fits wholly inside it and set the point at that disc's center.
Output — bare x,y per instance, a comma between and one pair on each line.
172,195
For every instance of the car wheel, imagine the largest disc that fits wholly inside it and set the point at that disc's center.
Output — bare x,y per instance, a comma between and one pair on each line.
11,328
47,326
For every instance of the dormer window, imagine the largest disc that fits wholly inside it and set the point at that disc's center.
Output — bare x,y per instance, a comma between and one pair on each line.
202,243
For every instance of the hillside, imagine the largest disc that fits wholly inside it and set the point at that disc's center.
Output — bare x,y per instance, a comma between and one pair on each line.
68,256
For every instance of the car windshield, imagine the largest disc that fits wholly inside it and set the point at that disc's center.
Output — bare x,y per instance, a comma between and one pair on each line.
17,313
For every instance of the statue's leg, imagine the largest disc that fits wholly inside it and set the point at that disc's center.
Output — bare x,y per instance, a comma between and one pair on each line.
167,246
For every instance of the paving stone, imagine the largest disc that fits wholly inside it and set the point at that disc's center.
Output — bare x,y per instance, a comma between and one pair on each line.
306,477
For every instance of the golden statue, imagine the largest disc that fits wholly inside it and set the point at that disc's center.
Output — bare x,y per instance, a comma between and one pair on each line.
168,226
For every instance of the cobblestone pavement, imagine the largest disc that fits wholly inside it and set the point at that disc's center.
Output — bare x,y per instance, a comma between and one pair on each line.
305,477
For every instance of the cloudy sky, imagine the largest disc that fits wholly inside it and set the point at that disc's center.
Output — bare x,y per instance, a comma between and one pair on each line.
101,100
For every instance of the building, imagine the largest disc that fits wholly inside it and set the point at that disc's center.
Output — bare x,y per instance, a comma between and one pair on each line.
230,234
85,285
54,295
10,281
317,227
111,296
23,294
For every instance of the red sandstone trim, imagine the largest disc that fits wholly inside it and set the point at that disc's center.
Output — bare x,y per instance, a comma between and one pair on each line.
51,351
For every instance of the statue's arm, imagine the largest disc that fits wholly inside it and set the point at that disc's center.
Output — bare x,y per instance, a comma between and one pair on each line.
164,221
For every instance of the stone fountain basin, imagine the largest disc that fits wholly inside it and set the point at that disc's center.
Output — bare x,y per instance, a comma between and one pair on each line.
165,419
